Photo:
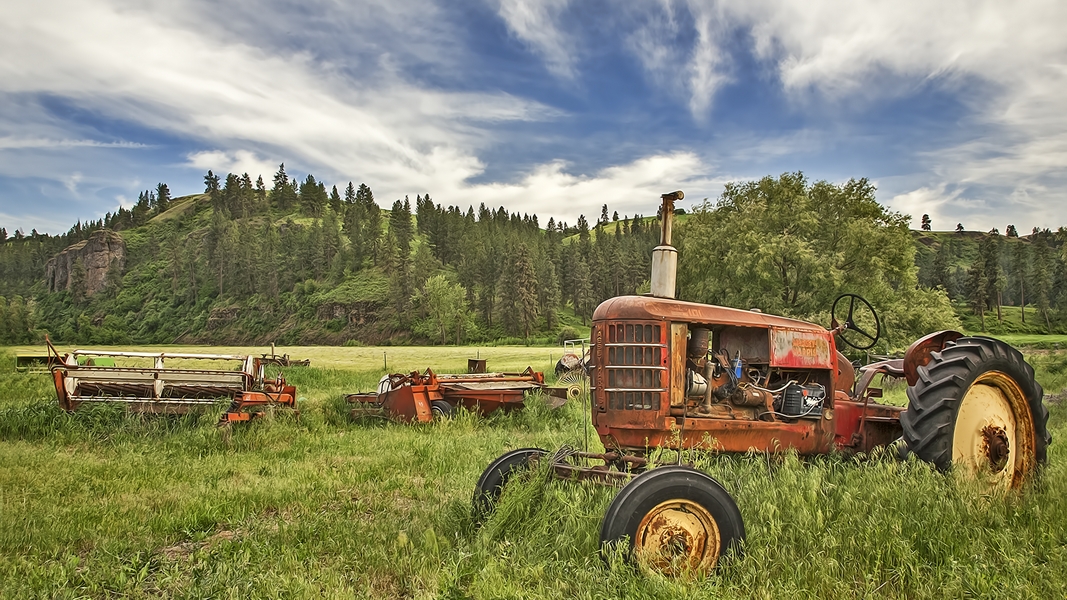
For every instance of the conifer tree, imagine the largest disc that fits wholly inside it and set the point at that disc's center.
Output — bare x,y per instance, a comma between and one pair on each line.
162,197
335,201
525,292
978,283
211,184
281,194
1021,272
312,197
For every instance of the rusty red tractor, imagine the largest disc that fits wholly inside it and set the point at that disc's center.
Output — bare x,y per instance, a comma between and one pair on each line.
669,374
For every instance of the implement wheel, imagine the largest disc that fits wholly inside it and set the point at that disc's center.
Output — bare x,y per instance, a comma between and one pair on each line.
440,409
496,475
977,407
674,520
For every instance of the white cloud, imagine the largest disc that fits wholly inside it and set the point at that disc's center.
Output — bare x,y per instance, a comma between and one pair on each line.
630,188
72,181
536,22
10,142
250,103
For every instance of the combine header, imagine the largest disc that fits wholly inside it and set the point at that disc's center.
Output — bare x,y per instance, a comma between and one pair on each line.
419,397
680,375
94,376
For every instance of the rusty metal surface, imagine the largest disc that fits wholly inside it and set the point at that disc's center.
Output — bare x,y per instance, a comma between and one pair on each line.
408,397
663,309
918,353
162,390
802,348
678,536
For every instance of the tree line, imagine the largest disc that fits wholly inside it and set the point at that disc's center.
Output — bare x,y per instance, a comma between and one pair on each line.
270,256
302,262
988,272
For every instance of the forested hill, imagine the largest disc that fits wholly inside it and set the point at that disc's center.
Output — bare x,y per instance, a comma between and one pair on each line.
302,264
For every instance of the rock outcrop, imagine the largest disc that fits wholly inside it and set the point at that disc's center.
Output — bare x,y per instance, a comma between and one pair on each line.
103,251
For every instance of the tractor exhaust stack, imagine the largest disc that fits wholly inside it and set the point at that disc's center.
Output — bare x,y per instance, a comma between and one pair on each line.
665,256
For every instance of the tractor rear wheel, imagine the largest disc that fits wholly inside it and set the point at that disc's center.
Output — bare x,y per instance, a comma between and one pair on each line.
977,407
496,475
675,520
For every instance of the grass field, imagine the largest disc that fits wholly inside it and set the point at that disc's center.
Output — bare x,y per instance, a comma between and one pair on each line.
98,504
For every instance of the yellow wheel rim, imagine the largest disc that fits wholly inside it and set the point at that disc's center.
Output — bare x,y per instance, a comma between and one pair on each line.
678,536
993,434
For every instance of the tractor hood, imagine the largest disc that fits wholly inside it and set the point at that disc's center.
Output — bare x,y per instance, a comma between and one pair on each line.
666,309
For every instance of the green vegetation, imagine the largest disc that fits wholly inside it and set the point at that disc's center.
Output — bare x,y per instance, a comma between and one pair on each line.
99,504
790,247
300,264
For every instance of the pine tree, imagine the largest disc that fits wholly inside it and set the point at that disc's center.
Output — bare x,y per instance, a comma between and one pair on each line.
312,197
525,291
282,193
926,223
211,184
978,284
583,289
335,201
77,283
261,196
1021,272
1010,231
162,197
1042,280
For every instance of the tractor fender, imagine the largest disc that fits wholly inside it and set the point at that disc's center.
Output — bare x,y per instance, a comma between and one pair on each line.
920,351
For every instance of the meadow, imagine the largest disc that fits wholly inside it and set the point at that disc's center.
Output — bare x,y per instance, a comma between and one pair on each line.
99,504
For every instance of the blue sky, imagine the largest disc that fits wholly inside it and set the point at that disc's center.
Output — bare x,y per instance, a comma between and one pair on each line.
956,109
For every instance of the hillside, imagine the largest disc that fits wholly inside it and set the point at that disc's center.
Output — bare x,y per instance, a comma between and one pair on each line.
298,265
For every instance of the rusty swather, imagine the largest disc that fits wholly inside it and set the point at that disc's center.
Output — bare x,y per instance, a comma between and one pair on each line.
92,376
679,375
419,397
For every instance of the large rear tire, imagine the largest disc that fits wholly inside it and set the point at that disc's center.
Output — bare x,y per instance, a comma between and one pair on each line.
675,521
496,475
977,407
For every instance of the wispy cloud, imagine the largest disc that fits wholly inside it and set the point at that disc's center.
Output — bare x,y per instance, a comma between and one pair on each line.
537,23
385,92
15,143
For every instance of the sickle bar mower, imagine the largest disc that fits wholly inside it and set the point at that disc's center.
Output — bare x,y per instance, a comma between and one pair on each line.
95,376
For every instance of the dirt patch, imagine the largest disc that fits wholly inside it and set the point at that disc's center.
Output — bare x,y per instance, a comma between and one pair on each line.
1054,399
185,549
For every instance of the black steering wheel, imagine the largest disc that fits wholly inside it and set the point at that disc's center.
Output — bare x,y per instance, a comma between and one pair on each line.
850,333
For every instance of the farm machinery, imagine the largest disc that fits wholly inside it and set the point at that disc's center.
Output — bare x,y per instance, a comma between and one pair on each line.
143,383
420,397
669,374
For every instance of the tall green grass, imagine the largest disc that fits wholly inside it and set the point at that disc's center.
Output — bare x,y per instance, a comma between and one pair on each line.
100,504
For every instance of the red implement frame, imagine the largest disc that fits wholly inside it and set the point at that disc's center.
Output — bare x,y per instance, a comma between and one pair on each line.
91,376
408,398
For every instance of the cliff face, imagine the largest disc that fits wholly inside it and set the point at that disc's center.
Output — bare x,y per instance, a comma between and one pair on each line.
98,254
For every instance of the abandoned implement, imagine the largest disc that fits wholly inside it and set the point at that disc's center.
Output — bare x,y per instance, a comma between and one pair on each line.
94,376
420,397
680,375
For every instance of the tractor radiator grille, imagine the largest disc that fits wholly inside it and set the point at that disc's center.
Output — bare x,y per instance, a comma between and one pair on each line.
636,370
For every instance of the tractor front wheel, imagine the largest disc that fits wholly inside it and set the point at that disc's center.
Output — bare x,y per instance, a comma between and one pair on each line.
496,475
675,520
977,407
